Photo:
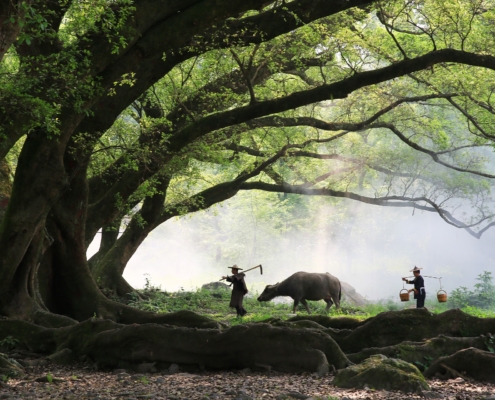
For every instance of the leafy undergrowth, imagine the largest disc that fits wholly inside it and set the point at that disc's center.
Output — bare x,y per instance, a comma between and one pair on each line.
215,304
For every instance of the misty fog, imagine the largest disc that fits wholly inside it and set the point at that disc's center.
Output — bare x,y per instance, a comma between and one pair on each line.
369,247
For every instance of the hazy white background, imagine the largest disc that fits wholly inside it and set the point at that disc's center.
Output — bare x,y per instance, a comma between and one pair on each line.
372,250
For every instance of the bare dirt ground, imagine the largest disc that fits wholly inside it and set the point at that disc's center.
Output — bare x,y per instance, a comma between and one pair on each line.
80,381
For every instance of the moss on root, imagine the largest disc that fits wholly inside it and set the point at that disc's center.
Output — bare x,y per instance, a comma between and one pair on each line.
382,373
423,353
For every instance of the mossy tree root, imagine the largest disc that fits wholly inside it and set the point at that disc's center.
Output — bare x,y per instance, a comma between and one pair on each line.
113,345
394,327
469,363
422,354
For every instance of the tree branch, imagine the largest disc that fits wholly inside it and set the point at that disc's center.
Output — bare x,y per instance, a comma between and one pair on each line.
388,201
431,153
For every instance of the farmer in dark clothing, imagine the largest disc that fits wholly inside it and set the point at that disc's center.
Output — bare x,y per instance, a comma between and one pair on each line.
419,287
239,289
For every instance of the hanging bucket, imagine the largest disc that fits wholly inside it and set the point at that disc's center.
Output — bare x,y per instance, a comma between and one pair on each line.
404,296
442,297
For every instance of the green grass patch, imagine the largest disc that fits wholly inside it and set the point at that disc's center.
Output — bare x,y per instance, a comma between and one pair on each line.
215,304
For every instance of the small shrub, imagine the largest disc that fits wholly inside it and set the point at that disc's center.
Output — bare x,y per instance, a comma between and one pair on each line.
8,343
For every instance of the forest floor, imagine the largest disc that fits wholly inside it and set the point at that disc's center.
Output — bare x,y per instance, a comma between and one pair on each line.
81,381
44,380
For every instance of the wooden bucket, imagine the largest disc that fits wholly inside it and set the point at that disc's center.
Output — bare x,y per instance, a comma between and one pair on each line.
442,297
404,296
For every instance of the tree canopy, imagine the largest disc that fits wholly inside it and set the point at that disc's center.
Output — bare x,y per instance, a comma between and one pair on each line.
119,115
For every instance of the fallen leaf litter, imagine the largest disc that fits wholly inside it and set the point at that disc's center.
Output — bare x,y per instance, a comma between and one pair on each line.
81,382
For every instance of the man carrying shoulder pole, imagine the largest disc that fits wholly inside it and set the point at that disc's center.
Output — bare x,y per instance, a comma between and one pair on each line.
419,287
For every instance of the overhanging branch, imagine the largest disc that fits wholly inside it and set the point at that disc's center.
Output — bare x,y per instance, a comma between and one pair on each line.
387,201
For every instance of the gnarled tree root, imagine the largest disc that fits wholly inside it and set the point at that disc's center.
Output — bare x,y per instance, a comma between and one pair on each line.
335,334
421,354
394,327
185,318
331,322
472,363
114,345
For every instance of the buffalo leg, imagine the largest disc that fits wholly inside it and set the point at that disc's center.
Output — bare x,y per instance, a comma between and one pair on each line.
329,304
305,303
296,302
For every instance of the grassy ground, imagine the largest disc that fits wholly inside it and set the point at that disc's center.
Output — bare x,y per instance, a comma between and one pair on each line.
215,304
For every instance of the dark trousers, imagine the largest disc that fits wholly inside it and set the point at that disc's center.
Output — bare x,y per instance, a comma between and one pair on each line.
240,311
420,301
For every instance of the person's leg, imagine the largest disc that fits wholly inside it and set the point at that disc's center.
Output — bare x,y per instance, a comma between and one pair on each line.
420,303
238,309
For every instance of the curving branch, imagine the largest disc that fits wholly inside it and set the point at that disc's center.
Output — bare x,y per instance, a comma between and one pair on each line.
472,120
387,201
145,56
336,90
199,103
432,154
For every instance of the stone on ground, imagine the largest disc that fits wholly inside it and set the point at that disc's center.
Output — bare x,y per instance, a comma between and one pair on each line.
382,373
215,286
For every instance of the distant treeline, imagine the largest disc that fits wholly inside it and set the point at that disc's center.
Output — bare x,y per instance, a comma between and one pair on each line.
483,295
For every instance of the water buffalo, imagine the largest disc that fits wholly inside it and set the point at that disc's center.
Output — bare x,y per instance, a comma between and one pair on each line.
303,286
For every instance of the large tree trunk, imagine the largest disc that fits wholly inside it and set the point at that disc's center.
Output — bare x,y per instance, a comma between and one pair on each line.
5,187
40,180
73,291
108,272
